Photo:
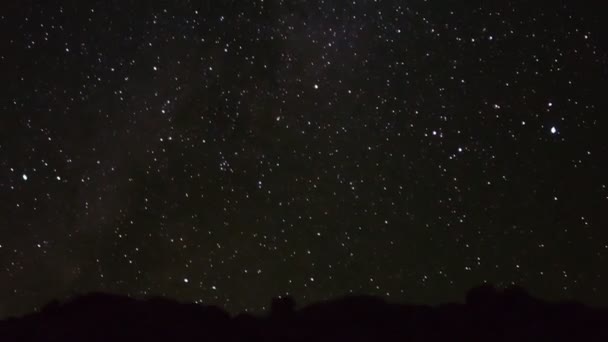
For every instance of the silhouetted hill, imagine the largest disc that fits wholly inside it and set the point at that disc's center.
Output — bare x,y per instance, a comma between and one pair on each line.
487,315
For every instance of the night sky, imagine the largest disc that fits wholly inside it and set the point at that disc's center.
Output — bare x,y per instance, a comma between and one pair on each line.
230,152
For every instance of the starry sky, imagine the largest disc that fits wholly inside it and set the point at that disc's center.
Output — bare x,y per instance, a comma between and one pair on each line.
228,152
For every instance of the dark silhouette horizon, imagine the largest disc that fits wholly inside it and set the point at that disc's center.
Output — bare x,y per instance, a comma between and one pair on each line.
488,314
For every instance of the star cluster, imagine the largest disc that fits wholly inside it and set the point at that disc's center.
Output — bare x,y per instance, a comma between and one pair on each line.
227,152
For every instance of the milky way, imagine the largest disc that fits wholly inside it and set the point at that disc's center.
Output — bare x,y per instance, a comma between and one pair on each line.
230,152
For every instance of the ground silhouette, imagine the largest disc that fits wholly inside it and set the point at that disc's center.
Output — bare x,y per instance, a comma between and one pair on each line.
487,315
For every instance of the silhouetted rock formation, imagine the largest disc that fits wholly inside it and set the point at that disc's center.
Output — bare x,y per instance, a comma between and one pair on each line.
487,315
